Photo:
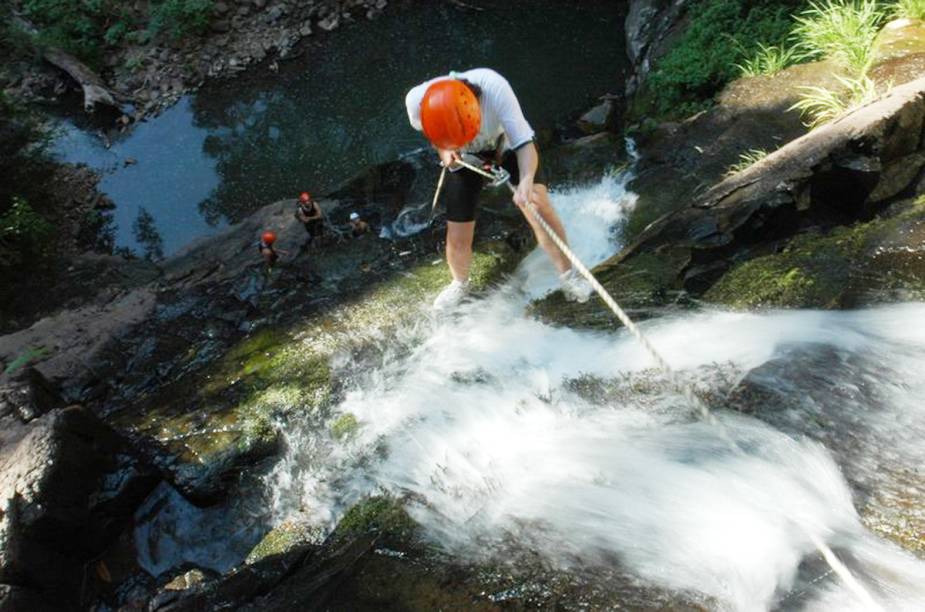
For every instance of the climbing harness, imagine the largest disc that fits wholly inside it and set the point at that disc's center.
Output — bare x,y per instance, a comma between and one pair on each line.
499,176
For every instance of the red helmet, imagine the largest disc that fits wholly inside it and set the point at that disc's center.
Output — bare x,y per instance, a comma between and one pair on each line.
304,196
450,114
268,237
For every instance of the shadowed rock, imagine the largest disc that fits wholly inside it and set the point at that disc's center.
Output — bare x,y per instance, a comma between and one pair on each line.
847,171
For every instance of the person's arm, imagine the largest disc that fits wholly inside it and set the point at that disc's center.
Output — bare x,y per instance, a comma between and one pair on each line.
528,160
316,212
517,129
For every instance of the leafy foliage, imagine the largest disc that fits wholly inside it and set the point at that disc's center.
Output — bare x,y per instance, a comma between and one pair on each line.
820,105
768,60
24,236
22,145
84,27
704,59
77,27
841,30
181,18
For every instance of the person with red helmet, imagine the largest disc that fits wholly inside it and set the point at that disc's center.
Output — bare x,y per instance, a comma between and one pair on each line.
267,251
476,113
309,214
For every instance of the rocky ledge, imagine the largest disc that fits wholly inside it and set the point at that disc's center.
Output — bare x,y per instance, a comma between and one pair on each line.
830,219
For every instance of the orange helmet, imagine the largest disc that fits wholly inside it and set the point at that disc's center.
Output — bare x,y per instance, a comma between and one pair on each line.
450,114
268,237
304,197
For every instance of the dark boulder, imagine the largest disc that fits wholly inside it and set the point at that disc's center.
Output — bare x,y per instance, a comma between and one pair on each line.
68,485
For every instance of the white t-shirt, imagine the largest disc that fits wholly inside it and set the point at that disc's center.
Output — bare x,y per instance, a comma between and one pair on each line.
501,113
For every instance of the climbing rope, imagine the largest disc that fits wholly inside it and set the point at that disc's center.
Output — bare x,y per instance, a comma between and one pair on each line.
500,176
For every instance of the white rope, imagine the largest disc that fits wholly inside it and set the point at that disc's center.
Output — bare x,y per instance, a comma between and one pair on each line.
433,207
834,562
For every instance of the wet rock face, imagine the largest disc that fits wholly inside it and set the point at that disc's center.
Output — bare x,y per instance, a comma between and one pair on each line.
68,484
650,27
848,171
376,559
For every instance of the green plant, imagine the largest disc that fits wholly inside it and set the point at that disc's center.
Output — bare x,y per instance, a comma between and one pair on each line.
745,160
21,223
77,27
702,61
179,18
115,33
25,235
768,60
819,105
32,354
133,62
840,30
910,9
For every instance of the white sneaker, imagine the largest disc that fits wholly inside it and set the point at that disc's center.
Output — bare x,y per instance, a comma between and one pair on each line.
575,287
451,295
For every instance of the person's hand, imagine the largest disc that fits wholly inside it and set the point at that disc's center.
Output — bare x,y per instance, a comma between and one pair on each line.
523,193
448,157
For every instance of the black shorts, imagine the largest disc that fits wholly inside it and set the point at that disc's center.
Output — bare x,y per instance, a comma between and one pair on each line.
461,189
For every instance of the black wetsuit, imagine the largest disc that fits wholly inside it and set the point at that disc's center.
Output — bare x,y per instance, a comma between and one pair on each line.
314,227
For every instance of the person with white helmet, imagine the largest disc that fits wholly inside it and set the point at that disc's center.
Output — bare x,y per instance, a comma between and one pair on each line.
476,113
358,226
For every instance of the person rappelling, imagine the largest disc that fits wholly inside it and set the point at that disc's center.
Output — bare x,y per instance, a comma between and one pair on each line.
474,117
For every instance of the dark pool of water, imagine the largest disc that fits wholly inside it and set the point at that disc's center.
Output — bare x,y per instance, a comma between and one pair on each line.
339,107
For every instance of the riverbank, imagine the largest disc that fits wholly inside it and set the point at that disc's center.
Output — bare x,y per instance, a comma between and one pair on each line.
148,65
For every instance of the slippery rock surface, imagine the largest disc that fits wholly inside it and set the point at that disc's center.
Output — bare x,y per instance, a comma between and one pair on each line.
68,484
198,364
377,559
847,171
651,27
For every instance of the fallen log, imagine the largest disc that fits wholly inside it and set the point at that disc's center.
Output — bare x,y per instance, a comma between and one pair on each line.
95,90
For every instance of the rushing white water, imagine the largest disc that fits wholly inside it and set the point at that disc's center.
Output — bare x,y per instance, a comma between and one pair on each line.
482,421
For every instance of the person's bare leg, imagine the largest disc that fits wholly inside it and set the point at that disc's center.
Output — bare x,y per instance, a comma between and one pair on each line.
544,206
459,248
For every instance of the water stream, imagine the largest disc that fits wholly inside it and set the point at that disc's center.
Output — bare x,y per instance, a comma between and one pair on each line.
512,435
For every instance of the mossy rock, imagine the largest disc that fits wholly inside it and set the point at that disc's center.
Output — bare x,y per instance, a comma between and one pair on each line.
344,426
382,514
899,52
284,538
639,285
864,263
223,418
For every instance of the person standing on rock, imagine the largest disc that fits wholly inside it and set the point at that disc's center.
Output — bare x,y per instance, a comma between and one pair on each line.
477,115
267,251
309,214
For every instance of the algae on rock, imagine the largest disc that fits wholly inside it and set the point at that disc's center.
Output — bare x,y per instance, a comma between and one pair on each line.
847,267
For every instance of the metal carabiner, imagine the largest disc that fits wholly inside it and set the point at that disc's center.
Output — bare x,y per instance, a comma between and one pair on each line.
501,176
